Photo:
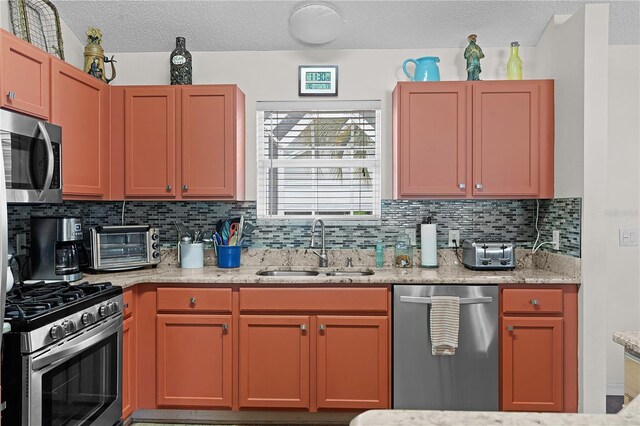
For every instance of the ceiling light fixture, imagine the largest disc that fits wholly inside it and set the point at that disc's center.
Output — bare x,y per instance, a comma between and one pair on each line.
315,24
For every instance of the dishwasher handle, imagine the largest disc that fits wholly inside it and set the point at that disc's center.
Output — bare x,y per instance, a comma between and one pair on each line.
463,301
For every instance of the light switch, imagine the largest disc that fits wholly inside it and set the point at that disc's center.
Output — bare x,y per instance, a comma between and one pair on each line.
628,237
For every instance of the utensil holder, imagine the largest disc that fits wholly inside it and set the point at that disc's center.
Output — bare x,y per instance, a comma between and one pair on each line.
191,255
229,256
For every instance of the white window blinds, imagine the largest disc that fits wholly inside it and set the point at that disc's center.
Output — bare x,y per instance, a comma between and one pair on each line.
319,159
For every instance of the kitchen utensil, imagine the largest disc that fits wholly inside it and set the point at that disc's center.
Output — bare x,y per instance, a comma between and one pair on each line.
426,69
241,227
248,228
233,238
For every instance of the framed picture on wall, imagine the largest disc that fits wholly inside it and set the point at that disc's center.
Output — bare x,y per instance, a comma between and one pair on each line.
318,80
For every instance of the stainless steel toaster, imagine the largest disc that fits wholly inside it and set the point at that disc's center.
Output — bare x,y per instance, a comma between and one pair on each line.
488,255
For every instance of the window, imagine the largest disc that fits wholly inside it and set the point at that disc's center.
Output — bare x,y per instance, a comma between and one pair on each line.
319,159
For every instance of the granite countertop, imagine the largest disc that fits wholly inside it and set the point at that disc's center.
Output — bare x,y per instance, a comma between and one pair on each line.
629,339
630,415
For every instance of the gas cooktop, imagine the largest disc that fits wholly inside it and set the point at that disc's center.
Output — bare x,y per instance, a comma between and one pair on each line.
30,306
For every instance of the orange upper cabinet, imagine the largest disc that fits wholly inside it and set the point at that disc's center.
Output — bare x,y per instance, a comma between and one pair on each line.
150,142
212,143
532,364
80,104
25,77
485,139
274,361
353,362
194,360
430,139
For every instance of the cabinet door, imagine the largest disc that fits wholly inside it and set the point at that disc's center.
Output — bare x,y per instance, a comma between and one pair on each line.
194,360
25,77
532,364
128,367
80,104
353,362
431,147
150,142
208,142
274,361
506,138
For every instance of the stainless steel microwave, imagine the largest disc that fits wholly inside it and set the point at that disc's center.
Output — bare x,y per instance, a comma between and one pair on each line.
119,248
32,156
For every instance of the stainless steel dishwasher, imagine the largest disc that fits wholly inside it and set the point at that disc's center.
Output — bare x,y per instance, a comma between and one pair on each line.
467,380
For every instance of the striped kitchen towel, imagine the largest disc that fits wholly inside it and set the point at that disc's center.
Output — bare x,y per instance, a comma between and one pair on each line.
444,323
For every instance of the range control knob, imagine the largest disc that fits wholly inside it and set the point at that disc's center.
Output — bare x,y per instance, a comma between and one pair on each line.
69,327
154,246
56,332
154,236
156,254
103,311
113,307
88,318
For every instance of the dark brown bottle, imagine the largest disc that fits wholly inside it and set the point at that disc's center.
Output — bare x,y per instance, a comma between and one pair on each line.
180,61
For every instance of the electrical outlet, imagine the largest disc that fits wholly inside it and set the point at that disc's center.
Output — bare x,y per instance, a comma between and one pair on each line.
21,244
556,240
412,236
454,234
628,237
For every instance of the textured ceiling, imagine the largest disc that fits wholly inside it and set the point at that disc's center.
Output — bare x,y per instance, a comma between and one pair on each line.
151,25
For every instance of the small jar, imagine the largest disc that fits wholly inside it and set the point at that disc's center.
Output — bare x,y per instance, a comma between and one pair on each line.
403,254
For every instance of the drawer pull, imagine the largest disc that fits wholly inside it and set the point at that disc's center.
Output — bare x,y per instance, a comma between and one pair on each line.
126,305
462,186
168,187
303,327
509,328
185,187
321,328
193,300
534,301
11,95
225,327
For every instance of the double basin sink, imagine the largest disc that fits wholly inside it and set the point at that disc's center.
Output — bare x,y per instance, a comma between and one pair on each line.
313,273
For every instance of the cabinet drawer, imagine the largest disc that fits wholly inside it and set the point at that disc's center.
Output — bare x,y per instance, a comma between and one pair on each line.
194,299
526,301
127,303
631,375
314,299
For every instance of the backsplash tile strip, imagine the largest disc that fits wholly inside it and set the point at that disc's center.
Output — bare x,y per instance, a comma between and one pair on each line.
510,220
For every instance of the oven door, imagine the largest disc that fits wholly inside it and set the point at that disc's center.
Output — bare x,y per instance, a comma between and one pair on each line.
32,159
79,381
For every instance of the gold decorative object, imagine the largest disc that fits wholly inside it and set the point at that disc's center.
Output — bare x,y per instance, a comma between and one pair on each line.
94,58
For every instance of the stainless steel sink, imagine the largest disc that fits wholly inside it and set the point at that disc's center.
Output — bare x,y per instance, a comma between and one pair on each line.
287,273
313,273
350,273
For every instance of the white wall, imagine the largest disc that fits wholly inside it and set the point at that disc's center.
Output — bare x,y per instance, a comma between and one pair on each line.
272,76
623,202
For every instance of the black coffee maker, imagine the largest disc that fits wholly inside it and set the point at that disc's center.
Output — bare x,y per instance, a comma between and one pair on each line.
55,245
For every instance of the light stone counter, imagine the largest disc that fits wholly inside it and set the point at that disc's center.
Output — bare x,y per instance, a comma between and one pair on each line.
630,415
543,270
629,339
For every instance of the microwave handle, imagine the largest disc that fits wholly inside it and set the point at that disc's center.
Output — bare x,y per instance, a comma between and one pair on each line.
49,145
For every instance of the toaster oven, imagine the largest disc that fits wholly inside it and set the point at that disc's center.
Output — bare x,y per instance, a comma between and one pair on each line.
119,248
488,255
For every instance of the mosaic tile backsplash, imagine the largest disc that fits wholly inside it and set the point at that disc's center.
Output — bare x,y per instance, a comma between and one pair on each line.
509,220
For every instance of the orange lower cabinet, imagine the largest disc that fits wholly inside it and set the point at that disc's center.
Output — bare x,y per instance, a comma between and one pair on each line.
532,363
128,367
274,361
352,362
194,365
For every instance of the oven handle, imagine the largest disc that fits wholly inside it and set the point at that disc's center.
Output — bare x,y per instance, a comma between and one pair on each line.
95,336
50,162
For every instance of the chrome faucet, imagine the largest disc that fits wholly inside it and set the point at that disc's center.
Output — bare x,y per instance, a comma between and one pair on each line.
324,257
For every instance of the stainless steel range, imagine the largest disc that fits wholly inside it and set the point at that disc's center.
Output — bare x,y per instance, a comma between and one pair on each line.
62,360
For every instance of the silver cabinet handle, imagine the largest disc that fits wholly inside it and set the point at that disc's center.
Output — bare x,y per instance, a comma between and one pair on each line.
303,327
463,301
462,185
321,328
185,187
509,328
478,186
11,95
126,305
193,300
534,301
225,327
168,187
47,140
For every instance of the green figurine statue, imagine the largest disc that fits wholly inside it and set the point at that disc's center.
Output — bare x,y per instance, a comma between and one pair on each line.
473,54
